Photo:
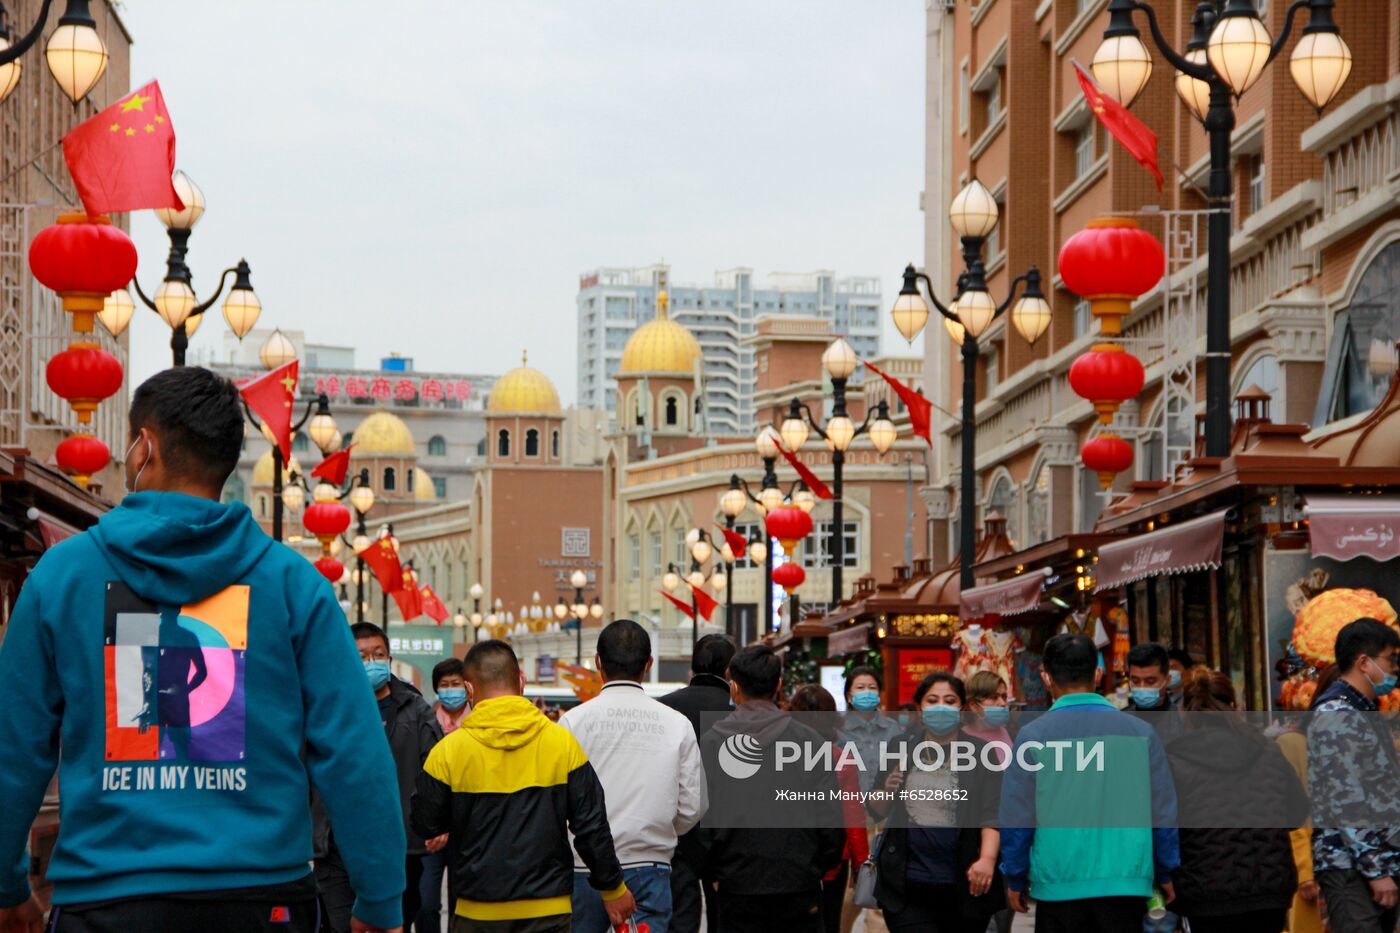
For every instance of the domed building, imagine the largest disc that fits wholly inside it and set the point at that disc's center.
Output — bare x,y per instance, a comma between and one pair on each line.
660,389
260,500
524,421
384,445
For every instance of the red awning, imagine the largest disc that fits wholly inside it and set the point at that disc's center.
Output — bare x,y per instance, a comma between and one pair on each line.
50,529
1344,527
1193,545
848,640
1005,598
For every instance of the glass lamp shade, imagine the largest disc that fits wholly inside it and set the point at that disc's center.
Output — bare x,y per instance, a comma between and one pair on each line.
1238,50
477,619
459,620
192,196
580,610
579,579
76,58
883,434
805,500
324,492
955,328
293,497
976,310
116,308
719,581
732,502
1381,359
770,498
192,324
671,580
910,313
766,443
692,536
973,212
839,359
476,591
362,499
9,74
840,431
596,610
758,551
561,610
359,543
1122,66
174,302
499,603
337,439
795,433
1320,65
702,550
726,553
241,311
696,579
322,430
1194,92
271,439
1031,317
276,350
335,546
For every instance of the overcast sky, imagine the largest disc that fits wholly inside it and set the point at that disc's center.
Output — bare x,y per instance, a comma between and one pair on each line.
431,177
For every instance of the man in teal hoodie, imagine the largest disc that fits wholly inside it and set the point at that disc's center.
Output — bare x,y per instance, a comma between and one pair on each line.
193,679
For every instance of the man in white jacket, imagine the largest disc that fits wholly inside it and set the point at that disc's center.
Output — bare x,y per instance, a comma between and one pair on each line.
648,761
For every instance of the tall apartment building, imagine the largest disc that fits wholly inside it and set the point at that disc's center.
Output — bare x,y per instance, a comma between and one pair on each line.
1315,255
614,302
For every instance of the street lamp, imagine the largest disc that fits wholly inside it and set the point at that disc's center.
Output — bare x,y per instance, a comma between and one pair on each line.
320,407
75,53
1227,53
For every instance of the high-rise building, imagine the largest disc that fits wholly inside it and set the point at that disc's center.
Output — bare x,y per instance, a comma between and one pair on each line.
614,302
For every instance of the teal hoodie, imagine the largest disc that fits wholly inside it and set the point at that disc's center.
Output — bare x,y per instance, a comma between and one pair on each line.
193,679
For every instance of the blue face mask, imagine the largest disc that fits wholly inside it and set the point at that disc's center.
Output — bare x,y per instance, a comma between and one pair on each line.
452,698
941,720
1386,685
377,672
996,715
1174,679
1147,697
865,700
903,720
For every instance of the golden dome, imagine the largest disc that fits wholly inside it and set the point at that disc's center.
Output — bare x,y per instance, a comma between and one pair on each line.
423,489
383,434
660,346
523,390
262,470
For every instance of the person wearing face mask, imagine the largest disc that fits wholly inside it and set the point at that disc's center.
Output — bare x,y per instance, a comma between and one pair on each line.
864,726
989,711
1352,766
1149,682
451,706
1179,661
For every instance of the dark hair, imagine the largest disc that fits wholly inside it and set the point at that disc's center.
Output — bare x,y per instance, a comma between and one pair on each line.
624,648
369,630
1150,654
941,677
909,707
197,417
756,671
491,663
1180,656
444,669
712,655
1071,660
1207,691
818,702
1364,636
863,671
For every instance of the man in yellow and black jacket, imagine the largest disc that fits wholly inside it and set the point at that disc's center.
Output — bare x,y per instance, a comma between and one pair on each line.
509,786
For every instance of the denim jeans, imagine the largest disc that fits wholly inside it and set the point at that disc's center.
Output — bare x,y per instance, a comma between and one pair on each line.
650,886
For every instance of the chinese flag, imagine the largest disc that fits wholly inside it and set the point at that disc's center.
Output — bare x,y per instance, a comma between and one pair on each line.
122,159
683,607
433,606
381,557
704,602
410,602
1140,141
737,542
334,468
819,489
920,409
271,397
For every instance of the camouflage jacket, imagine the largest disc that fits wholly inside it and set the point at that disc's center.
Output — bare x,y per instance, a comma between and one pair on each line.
1354,782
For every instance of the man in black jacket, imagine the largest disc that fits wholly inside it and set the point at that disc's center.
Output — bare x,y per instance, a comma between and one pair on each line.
708,692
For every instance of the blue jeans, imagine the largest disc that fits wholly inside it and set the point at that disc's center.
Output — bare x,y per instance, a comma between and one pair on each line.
429,919
650,886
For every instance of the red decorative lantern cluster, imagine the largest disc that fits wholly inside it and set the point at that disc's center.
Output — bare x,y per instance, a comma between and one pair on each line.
789,576
83,258
1111,262
1107,376
789,524
84,375
82,455
1107,455
330,568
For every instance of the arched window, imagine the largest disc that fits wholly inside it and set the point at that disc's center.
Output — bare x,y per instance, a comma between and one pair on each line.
554,444
481,447
1180,431
532,443
262,505
437,446
408,478
1362,358
1038,508
1262,373
1004,500
503,443
389,479
346,438
672,411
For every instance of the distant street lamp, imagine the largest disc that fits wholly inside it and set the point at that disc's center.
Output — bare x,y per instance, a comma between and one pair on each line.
75,53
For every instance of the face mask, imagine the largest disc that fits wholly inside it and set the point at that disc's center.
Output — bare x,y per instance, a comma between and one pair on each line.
1146,697
377,672
941,720
1386,684
134,484
996,715
1174,680
452,698
865,700
903,720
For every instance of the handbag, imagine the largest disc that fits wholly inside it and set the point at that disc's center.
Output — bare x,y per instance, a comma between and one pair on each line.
866,877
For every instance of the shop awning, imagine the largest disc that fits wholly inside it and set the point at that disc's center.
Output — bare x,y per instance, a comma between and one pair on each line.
1193,545
1344,527
50,529
847,640
1004,598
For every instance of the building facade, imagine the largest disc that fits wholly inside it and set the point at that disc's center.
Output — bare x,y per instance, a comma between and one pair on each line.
613,303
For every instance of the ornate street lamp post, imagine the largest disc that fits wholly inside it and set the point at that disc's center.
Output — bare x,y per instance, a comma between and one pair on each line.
75,53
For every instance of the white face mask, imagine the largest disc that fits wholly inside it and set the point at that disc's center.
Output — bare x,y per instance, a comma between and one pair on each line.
133,484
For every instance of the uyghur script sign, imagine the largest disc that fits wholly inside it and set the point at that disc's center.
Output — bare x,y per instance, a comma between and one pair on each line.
393,388
1343,527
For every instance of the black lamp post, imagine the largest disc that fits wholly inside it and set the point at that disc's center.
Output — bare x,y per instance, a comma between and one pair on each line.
1229,50
322,431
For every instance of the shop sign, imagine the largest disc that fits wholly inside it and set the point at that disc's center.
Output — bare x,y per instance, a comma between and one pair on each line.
855,638
912,665
1006,598
1344,527
1190,546
544,668
399,388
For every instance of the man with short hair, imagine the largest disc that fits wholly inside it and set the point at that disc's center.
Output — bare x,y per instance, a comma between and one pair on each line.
648,762
1179,661
1070,837
1148,680
1352,768
508,786
185,783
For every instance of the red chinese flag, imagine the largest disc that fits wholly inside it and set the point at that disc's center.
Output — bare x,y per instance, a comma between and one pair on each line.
737,542
122,159
433,606
819,489
704,602
683,607
381,557
410,602
920,409
271,397
334,468
1140,141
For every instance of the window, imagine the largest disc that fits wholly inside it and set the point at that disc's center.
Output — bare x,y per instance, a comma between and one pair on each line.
388,479
816,548
346,439
1361,360
437,446
672,413
964,104
993,372
1263,374
299,443
655,553
634,556
682,551
554,444
1091,499
1256,186
1038,508
1174,443
481,447
994,238
503,443
1084,150
532,443
440,487
994,98
409,476
1005,501
1083,317
748,530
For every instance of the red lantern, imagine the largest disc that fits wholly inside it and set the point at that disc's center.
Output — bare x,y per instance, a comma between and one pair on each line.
1107,455
325,520
1111,262
84,375
789,524
789,576
1107,375
331,569
84,259
82,455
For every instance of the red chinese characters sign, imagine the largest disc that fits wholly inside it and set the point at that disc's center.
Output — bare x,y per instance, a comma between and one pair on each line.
383,389
912,665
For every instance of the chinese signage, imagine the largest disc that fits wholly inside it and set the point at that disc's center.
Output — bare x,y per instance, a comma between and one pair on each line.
576,542
912,665
393,388
420,647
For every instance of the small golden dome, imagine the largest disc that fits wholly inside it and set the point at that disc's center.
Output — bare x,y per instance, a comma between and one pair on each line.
523,390
383,434
660,346
262,470
423,489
